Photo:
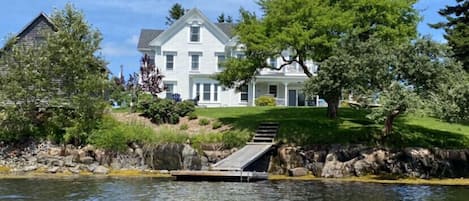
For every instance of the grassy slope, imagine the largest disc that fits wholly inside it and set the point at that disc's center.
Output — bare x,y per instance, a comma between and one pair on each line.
310,126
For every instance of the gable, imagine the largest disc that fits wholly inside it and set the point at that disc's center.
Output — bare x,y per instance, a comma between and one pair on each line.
194,16
35,31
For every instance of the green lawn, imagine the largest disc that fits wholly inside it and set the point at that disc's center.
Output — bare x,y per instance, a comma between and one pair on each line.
306,126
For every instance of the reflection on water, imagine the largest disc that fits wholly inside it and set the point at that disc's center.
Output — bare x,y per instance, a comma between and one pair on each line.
160,189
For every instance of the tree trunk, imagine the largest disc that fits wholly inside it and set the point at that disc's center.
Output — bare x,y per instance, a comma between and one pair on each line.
388,125
332,107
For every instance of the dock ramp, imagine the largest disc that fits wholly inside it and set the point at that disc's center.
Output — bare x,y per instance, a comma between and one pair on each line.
243,157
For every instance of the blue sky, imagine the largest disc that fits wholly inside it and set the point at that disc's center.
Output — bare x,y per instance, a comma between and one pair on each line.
120,21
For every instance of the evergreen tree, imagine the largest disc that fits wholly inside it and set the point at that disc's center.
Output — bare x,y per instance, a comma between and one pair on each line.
176,12
221,18
457,29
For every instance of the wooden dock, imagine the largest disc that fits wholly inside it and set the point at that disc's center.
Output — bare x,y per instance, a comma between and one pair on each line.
235,166
233,176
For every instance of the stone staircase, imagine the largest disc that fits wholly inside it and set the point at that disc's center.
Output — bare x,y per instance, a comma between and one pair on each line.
266,132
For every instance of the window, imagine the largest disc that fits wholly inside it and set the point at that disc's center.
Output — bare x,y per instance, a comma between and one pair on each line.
273,90
195,61
195,34
221,59
169,62
206,92
169,90
244,93
273,62
215,92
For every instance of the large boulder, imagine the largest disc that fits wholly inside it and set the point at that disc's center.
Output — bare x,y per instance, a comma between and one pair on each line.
297,172
171,157
101,170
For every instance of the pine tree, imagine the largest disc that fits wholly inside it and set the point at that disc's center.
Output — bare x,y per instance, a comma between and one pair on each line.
457,29
176,12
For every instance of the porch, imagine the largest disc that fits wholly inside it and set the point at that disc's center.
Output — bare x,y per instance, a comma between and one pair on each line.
287,92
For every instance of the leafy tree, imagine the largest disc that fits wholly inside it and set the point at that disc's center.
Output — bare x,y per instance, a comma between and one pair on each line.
150,77
23,88
134,89
403,76
57,87
457,29
78,74
176,12
312,31
452,101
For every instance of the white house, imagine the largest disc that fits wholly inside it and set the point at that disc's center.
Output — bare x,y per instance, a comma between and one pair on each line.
189,53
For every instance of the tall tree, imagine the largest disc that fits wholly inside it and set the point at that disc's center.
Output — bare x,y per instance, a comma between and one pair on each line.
78,73
176,12
457,29
229,19
313,30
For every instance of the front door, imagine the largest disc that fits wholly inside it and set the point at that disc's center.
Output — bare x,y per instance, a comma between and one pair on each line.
301,99
291,97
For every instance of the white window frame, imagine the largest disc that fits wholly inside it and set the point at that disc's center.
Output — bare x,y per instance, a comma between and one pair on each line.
276,90
191,56
166,54
241,93
218,55
171,91
191,34
204,91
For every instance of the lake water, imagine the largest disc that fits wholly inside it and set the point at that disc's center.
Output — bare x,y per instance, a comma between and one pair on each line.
160,189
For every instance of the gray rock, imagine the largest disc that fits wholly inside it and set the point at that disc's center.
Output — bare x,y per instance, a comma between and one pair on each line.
101,170
68,161
92,167
87,160
53,169
297,172
315,168
74,170
30,168
191,159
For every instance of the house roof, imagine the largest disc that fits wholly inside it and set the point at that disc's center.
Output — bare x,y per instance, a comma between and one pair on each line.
146,36
227,28
32,24
223,31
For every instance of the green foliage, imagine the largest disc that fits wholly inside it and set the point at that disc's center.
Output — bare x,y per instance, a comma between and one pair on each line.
115,136
64,73
192,116
216,125
204,122
265,101
236,138
176,12
184,108
183,127
457,29
162,111
452,101
166,111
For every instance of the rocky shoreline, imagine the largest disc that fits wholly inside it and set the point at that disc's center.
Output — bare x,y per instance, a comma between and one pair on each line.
320,161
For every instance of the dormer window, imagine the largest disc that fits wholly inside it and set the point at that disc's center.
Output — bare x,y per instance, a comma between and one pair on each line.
195,34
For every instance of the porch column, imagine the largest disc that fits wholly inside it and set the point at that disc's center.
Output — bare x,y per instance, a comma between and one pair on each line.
194,91
253,93
286,93
317,100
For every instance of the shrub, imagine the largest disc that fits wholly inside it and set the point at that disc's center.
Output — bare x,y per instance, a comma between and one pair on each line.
216,125
183,127
192,116
266,101
185,107
204,122
235,138
162,111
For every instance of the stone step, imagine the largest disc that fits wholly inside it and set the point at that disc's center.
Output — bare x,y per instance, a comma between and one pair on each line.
266,131
265,135
262,139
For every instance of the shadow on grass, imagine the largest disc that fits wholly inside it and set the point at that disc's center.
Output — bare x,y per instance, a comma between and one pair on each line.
305,125
419,136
